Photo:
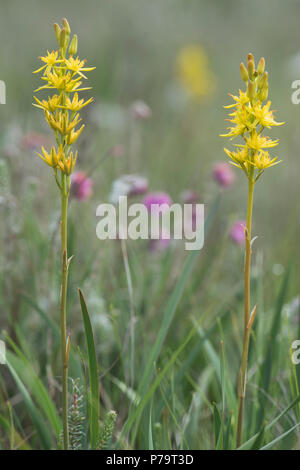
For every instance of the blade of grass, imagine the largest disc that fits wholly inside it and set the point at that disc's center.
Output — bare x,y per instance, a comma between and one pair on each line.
94,402
39,424
249,443
25,371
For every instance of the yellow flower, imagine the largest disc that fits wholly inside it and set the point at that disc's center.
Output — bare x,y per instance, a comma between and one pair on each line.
62,108
67,164
257,142
193,71
75,104
262,160
50,61
51,105
53,158
249,118
241,100
73,135
264,116
77,66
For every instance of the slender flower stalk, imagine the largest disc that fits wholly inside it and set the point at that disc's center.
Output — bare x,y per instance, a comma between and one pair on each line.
249,119
63,72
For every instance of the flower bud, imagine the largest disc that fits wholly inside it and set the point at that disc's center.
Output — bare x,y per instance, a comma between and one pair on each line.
57,32
251,90
250,57
244,73
66,26
251,69
73,45
64,39
261,66
263,81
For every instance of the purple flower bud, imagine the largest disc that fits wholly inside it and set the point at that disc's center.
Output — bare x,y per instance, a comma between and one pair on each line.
223,174
189,197
237,233
81,186
157,198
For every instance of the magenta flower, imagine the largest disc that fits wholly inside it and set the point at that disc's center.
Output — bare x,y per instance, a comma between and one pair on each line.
164,241
81,186
156,199
237,233
223,174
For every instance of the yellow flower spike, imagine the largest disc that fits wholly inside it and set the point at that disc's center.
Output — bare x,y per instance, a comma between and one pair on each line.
249,118
63,73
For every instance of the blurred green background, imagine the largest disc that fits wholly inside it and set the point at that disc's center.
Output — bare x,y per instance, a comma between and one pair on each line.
136,45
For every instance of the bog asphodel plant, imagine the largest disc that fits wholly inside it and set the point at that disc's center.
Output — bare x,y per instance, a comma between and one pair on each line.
249,118
63,73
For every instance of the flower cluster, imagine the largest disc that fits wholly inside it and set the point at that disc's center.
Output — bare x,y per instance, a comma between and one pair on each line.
63,72
194,72
249,118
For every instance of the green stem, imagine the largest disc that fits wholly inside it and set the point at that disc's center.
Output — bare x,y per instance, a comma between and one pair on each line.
247,326
63,312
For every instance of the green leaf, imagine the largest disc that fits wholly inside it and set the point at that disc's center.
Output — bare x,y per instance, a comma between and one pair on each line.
94,402
39,424
217,427
27,374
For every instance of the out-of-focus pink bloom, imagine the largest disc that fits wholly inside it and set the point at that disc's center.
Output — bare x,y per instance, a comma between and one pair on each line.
189,197
117,150
223,174
237,233
140,110
161,244
128,185
33,141
81,186
157,199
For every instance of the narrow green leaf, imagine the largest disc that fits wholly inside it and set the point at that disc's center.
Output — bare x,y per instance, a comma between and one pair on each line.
94,402
38,422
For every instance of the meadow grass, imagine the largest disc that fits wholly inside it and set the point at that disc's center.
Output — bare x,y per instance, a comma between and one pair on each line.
179,389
